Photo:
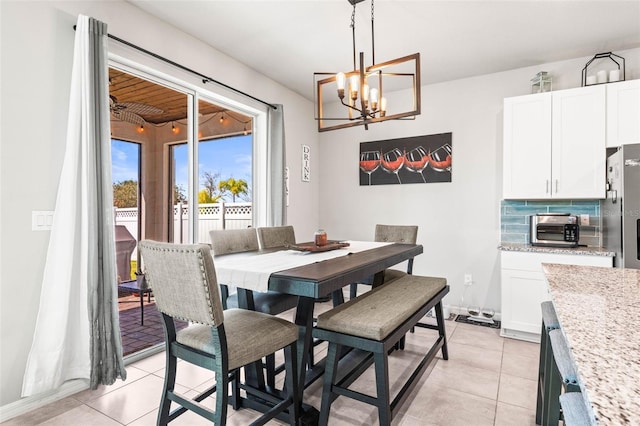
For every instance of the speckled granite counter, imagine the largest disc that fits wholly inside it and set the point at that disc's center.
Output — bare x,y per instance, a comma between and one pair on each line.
581,251
599,313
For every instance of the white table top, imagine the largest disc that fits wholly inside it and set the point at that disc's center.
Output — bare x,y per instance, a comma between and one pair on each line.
251,270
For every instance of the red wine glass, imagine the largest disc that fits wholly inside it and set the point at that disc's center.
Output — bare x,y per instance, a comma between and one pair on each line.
392,161
440,159
416,161
369,162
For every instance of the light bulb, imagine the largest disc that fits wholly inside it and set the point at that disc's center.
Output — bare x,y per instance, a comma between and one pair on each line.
383,106
222,119
365,92
340,80
141,128
373,94
353,87
174,129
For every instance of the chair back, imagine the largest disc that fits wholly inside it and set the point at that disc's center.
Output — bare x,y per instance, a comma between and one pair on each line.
183,280
229,241
276,236
396,234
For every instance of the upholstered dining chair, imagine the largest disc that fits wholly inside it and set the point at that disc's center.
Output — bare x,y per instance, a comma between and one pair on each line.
269,302
394,234
183,280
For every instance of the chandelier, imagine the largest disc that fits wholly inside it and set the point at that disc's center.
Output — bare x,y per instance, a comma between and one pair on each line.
356,98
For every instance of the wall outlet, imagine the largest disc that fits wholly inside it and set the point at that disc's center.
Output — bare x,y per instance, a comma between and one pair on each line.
468,279
584,220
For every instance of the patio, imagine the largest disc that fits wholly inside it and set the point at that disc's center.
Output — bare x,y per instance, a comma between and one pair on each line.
136,337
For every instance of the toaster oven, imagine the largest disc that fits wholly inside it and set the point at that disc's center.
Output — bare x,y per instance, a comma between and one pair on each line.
554,230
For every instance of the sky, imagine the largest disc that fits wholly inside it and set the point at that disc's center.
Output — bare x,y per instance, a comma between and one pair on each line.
229,156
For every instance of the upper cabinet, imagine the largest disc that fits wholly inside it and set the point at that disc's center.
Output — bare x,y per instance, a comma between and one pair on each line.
623,113
554,145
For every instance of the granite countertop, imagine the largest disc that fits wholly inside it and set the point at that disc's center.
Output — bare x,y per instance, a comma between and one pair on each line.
599,313
581,251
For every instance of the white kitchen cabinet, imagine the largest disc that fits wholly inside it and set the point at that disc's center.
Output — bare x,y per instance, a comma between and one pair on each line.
554,145
623,113
524,288
527,146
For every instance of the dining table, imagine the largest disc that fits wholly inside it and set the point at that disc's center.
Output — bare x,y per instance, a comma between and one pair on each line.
310,275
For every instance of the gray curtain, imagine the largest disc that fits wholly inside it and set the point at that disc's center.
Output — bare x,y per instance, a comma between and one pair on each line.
276,153
106,345
77,333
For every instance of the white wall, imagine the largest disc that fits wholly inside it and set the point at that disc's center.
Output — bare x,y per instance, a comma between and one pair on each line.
458,221
37,48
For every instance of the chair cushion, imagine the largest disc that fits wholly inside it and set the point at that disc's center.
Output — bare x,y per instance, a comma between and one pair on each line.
375,314
270,302
250,336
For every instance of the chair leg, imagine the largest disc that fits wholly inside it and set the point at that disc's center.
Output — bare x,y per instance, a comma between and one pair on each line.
141,308
235,390
270,366
441,330
382,388
331,367
544,337
353,290
170,370
291,384
222,396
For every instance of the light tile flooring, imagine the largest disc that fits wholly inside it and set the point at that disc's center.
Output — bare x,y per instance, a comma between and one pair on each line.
488,380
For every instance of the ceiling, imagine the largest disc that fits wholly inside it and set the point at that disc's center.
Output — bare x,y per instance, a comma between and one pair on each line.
456,39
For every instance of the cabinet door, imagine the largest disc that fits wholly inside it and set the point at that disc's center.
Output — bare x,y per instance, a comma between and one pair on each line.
522,294
578,149
623,113
527,147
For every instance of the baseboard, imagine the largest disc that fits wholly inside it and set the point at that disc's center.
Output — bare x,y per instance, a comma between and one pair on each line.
30,403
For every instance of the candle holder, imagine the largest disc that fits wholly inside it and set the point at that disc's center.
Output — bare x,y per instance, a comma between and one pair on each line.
603,76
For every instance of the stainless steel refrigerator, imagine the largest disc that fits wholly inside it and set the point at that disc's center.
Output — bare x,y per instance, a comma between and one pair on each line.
620,211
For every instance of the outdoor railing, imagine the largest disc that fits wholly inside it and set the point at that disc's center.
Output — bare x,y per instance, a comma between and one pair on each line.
211,216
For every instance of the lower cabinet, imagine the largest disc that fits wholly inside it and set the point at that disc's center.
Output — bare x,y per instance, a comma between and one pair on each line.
524,288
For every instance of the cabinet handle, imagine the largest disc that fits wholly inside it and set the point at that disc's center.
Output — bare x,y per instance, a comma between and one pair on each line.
556,186
546,188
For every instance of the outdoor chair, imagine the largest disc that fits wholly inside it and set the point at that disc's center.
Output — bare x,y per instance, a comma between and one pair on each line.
184,282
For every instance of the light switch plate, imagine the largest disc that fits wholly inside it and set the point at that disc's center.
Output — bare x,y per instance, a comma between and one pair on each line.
41,220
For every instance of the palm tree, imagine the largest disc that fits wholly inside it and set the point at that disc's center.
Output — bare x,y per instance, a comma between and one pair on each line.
234,186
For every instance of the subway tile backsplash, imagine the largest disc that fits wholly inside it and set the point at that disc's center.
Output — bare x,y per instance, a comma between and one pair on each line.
514,218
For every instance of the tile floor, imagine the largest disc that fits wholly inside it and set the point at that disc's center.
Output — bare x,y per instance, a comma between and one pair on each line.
488,380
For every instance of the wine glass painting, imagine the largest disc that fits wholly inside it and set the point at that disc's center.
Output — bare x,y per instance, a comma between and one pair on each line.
417,159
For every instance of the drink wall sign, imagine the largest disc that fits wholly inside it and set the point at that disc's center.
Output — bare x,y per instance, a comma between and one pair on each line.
417,159
306,163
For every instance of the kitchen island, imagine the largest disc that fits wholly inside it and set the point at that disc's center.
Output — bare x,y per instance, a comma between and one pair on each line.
599,313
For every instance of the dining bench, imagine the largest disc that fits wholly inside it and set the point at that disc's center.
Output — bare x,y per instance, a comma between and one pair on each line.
373,324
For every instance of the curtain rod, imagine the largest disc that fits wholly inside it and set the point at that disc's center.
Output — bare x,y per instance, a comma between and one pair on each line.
205,79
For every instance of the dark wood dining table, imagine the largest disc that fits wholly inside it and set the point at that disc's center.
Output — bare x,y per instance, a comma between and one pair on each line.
320,279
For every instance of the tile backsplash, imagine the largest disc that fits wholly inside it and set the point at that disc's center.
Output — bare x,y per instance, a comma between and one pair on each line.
514,218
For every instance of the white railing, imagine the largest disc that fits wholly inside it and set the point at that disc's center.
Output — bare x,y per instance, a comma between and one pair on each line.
211,216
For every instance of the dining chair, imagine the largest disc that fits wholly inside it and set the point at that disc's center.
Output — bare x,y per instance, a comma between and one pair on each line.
183,279
269,302
407,234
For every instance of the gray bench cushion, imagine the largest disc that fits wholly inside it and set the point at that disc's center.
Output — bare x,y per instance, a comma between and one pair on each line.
375,314
255,335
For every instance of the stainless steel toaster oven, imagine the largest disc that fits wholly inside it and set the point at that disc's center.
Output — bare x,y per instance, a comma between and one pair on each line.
554,230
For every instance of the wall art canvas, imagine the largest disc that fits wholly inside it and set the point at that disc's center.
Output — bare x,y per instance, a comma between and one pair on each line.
417,159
